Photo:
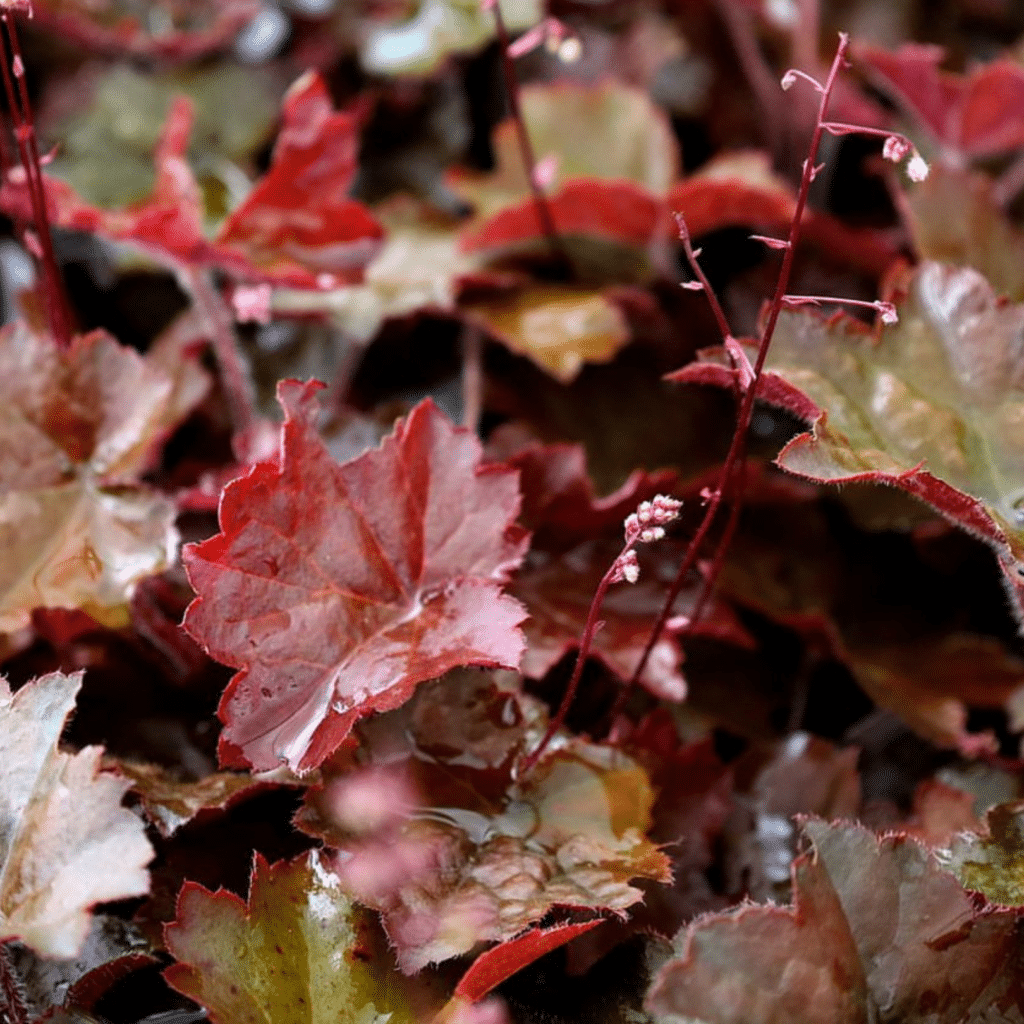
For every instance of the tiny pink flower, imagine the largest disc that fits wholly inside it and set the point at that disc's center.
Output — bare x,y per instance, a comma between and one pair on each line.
626,568
887,312
917,169
895,149
646,523
252,303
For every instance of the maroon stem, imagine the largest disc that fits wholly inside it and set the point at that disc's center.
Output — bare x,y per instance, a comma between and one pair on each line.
28,149
472,375
733,458
759,76
540,201
234,373
586,641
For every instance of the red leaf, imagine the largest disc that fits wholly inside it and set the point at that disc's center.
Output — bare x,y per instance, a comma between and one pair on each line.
975,115
560,506
558,590
299,219
615,211
496,965
736,190
296,225
739,190
337,588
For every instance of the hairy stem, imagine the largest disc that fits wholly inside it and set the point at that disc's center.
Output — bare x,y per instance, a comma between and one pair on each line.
737,448
28,149
540,201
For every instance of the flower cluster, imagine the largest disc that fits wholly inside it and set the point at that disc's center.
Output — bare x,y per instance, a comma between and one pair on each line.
643,526
647,523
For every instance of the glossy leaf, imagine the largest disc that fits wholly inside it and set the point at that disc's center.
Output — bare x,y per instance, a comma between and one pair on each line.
66,843
297,950
338,588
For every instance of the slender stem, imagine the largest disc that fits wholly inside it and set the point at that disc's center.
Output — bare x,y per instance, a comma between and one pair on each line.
586,641
739,483
698,270
759,76
472,375
25,136
805,35
738,445
234,373
540,201
709,292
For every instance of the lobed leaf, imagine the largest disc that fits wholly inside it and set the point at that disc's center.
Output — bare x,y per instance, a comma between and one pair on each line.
66,842
296,225
77,429
296,951
972,115
479,856
557,590
932,405
298,222
877,931
336,589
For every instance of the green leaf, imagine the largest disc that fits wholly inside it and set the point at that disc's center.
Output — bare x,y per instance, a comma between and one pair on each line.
297,952
437,30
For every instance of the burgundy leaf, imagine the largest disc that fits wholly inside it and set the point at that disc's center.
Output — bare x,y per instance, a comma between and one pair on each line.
977,114
337,588
560,505
296,225
876,928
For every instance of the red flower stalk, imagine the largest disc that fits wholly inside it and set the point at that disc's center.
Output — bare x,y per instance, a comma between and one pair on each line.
37,239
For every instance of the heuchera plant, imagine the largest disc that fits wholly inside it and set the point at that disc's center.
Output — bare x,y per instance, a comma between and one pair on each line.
537,534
